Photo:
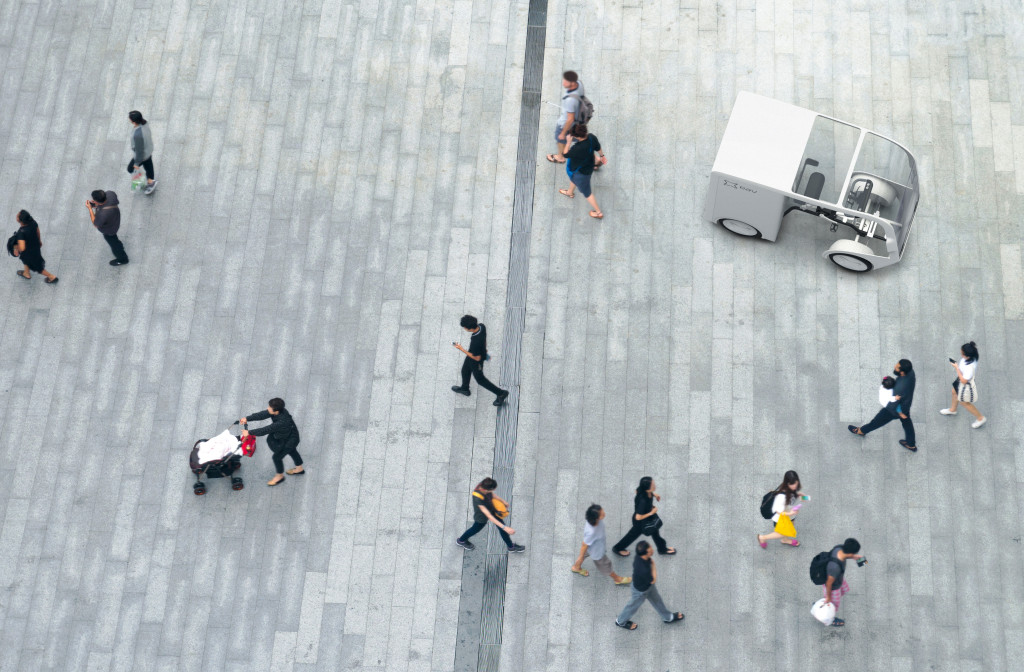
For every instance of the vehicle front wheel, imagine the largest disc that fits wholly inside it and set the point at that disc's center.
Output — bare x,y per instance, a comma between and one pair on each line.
740,228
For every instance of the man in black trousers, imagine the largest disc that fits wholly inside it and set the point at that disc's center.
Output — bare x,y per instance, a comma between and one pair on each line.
474,362
899,407
106,217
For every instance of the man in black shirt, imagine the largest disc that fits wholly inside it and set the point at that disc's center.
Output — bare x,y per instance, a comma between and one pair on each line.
106,217
474,362
835,582
898,408
645,575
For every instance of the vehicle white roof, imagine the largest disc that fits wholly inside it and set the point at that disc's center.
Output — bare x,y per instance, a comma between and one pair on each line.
764,141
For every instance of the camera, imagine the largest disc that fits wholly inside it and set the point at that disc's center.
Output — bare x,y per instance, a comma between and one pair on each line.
861,562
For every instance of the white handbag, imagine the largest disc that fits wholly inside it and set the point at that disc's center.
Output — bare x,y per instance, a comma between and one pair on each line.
824,613
968,392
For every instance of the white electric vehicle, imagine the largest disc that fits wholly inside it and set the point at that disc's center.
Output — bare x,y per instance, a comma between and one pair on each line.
777,158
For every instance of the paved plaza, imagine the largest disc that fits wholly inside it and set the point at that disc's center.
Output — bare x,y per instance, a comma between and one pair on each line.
339,182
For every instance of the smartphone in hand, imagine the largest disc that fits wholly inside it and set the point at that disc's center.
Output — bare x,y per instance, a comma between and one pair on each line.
952,361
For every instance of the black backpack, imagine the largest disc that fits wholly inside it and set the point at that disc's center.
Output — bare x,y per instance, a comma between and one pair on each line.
819,568
766,505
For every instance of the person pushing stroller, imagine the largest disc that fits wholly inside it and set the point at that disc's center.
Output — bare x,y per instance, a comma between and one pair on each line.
282,437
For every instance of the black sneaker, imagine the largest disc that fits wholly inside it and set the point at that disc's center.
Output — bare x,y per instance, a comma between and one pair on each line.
460,390
500,399
468,545
516,548
117,262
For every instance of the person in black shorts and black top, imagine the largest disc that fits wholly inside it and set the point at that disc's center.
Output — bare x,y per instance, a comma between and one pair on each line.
474,363
645,512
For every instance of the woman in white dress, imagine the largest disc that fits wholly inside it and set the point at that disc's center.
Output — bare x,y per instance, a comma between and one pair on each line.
965,390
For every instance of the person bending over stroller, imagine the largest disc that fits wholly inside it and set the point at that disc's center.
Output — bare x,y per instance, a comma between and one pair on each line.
282,437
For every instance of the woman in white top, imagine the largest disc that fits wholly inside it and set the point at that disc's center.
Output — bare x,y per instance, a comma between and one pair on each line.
786,495
965,391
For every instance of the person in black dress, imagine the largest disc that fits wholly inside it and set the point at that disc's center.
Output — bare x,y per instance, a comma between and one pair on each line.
644,511
580,164
29,248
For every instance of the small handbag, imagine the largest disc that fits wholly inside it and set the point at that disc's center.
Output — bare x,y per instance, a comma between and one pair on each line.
651,524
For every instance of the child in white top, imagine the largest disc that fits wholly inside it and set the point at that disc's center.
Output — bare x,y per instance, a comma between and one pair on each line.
968,395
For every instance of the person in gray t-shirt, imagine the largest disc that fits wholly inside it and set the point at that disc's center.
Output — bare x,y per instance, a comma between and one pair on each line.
572,90
595,543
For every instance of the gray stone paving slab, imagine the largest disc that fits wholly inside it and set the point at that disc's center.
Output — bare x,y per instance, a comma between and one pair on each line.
337,184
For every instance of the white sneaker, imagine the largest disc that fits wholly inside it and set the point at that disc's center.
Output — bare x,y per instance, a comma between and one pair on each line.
979,423
946,411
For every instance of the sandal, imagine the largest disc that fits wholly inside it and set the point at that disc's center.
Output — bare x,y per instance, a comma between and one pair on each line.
22,274
676,617
628,625
552,159
596,215
762,544
50,282
903,442
582,572
565,192
793,543
624,581
622,553
670,551
293,472
855,430
272,482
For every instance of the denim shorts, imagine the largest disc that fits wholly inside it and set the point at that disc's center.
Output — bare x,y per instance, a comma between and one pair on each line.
558,131
582,183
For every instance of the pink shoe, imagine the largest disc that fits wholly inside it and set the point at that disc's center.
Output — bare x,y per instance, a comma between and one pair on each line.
762,544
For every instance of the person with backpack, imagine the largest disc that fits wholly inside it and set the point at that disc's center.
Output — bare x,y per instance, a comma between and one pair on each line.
27,244
781,500
580,165
645,520
576,109
828,569
594,544
282,437
488,507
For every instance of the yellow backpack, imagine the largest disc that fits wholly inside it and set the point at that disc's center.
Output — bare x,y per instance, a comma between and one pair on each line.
499,507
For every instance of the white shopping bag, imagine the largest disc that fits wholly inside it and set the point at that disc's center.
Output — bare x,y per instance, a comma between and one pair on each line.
825,613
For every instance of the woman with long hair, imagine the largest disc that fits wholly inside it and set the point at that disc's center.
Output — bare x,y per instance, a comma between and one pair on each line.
645,520
964,389
29,248
786,496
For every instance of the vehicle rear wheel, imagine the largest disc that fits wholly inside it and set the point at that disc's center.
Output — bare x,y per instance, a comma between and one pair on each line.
740,228
850,262
850,255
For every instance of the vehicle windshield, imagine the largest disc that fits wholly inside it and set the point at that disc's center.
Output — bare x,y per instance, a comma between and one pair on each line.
827,159
884,183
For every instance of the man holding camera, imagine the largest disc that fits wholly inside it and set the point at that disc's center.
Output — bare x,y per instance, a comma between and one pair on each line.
106,217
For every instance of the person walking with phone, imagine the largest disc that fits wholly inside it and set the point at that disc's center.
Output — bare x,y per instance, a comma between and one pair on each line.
142,149
486,508
645,520
106,217
835,581
784,501
27,245
899,407
594,543
282,438
965,390
645,575
580,165
473,365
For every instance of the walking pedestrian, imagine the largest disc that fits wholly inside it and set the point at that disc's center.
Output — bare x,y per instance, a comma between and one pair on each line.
580,164
27,246
488,507
784,500
645,575
142,149
594,543
473,365
282,437
645,520
106,217
965,389
571,108
835,573
899,407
